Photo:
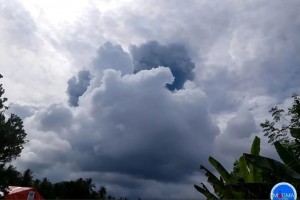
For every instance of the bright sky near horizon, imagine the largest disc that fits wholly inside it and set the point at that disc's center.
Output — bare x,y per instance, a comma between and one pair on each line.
137,94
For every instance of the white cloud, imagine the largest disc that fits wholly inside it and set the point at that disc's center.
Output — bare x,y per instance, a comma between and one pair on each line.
29,64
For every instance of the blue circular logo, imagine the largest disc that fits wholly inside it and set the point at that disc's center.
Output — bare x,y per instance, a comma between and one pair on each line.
283,191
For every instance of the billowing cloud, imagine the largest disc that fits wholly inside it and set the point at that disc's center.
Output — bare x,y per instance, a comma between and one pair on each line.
130,126
77,85
132,134
237,136
174,56
112,56
56,118
241,126
23,111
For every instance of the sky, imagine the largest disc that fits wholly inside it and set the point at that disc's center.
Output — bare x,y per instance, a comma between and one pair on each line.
137,94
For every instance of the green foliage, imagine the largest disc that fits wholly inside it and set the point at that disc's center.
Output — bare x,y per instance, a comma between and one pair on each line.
205,192
45,188
295,132
218,184
289,159
283,121
245,172
255,148
2,100
102,192
254,175
288,171
27,178
12,134
9,176
245,182
79,189
274,171
222,171
12,139
74,189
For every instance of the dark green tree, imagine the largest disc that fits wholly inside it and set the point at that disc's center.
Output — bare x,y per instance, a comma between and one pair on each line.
102,192
27,178
45,188
12,139
10,176
78,189
88,183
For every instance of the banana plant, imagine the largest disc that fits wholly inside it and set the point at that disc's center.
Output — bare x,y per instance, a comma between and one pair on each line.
247,172
240,184
220,185
288,171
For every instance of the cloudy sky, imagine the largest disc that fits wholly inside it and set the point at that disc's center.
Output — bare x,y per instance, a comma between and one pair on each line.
138,94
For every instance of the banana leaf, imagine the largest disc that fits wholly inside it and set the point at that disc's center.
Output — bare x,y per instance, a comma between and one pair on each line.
255,148
277,169
222,171
206,192
254,175
290,160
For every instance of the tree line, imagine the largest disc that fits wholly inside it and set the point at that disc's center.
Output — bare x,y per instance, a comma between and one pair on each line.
74,189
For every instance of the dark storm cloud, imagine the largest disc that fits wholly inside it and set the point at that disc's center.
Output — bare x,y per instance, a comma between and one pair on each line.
141,129
23,111
152,54
159,144
219,89
77,86
131,125
236,138
45,152
112,56
56,118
